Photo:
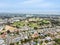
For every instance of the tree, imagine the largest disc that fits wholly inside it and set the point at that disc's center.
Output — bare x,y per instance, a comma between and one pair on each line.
35,28
8,31
57,41
11,43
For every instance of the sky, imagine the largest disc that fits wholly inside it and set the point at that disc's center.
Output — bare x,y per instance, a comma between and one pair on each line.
30,6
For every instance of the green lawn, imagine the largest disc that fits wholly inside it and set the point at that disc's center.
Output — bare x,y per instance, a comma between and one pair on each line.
31,24
19,24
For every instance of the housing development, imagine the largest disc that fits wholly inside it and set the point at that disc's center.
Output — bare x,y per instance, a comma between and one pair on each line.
29,29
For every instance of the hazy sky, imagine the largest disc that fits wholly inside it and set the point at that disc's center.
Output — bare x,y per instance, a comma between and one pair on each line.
30,6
